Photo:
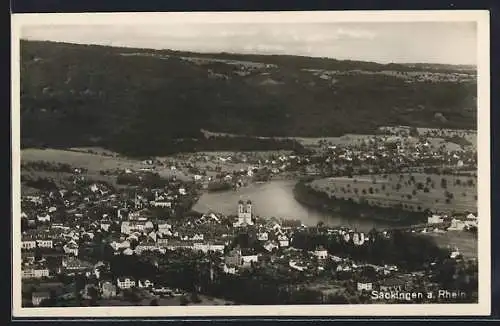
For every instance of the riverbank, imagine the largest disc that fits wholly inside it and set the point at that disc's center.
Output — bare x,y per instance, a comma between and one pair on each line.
275,199
310,197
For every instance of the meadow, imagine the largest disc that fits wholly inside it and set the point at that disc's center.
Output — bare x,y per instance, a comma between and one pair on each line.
415,192
94,162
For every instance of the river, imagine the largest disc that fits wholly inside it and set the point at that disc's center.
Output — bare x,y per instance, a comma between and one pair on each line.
276,199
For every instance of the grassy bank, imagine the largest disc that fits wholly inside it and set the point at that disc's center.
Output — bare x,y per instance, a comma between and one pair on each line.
308,196
416,192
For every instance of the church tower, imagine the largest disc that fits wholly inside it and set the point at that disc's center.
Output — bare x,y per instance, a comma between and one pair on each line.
241,212
248,213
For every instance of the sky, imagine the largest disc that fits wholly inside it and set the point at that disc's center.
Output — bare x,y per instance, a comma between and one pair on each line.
398,42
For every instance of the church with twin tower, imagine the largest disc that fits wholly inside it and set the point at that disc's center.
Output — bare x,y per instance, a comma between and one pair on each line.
244,213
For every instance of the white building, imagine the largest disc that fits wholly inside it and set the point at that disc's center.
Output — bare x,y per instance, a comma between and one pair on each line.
229,270
456,225
455,253
263,236
248,259
270,246
321,253
471,221
434,219
43,218
28,244
35,273
164,228
38,297
295,266
105,225
71,248
161,204
125,282
283,241
145,284
206,247
129,227
358,238
120,245
365,286
244,213
45,243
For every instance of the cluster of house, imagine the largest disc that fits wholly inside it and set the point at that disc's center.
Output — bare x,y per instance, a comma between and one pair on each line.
452,223
69,220
399,149
62,222
104,287
408,76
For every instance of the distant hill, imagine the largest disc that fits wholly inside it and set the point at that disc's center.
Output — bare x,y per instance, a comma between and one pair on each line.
130,99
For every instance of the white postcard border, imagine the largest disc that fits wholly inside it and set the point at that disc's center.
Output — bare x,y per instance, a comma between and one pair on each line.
420,310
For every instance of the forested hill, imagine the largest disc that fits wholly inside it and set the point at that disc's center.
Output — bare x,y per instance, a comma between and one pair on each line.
125,99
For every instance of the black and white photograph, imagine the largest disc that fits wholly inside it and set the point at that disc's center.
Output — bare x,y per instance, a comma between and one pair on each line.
251,164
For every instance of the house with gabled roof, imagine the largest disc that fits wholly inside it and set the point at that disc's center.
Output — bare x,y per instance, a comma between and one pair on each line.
71,248
146,245
38,297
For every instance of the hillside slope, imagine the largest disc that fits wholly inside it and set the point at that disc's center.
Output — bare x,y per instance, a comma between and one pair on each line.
125,99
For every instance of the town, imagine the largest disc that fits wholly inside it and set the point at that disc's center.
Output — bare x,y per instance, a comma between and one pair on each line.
129,235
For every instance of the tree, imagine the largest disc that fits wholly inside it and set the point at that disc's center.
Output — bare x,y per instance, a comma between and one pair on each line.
195,298
414,132
183,301
93,294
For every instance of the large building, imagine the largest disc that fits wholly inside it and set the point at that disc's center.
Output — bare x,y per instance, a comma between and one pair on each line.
244,213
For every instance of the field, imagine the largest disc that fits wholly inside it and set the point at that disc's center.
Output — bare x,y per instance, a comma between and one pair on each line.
415,192
90,161
96,159
94,162
357,139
